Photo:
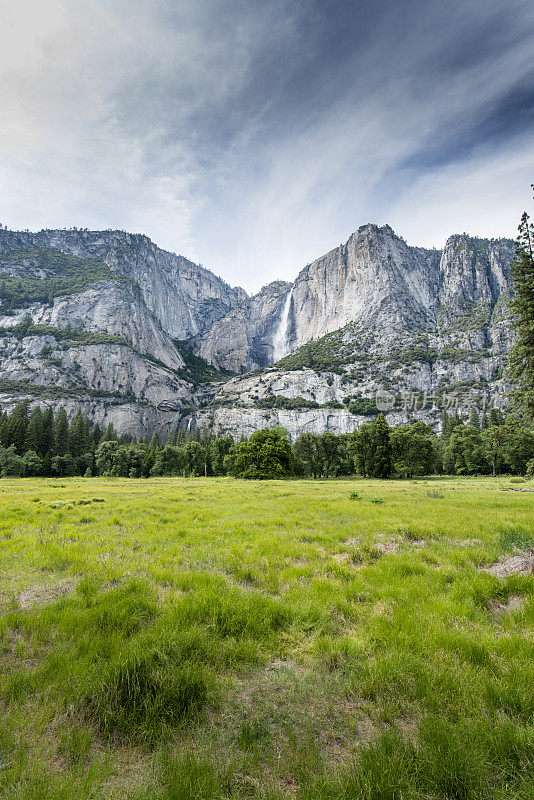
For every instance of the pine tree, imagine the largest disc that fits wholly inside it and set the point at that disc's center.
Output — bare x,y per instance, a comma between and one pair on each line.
110,434
494,439
62,433
522,353
48,434
445,425
474,419
171,439
78,439
31,441
455,421
34,430
155,443
96,436
495,417
17,425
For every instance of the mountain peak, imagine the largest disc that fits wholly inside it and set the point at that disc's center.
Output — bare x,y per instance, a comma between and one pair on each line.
372,228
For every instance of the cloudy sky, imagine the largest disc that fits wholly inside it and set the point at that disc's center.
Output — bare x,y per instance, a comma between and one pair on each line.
254,135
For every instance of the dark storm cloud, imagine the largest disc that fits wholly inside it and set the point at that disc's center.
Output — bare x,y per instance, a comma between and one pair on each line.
255,135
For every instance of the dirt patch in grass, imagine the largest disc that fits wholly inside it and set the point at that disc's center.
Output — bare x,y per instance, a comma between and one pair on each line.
518,564
387,547
341,558
296,703
40,594
379,548
513,603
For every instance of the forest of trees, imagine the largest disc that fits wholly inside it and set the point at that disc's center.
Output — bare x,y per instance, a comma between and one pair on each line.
37,442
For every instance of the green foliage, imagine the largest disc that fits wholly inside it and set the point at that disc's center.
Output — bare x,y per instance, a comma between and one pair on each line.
331,352
139,696
196,369
322,455
26,386
516,538
290,403
267,454
413,450
457,354
465,453
362,406
41,443
380,449
522,354
65,335
322,354
42,273
470,316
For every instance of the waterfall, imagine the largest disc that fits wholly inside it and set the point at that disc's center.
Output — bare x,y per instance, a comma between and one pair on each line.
281,338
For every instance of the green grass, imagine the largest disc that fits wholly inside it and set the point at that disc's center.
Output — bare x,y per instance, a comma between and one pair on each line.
175,638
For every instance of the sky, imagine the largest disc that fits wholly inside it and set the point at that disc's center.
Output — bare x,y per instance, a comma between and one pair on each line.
252,136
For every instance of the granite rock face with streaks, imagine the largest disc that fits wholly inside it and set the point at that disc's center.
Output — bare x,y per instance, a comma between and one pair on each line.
374,313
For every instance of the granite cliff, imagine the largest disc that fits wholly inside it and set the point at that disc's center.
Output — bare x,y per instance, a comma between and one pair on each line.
107,321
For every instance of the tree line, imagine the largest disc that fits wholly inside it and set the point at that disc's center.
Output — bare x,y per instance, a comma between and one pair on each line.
37,442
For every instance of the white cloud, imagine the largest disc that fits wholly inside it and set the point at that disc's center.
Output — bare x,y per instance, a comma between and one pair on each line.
180,120
483,196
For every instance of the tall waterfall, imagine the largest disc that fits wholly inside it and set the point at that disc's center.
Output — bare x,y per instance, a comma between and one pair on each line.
281,337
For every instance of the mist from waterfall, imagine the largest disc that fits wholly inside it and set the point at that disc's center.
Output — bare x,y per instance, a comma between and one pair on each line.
281,337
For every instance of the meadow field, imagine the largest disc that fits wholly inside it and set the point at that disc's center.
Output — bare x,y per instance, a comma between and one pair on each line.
172,638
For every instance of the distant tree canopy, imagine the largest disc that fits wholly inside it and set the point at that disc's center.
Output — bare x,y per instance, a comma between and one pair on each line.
40,442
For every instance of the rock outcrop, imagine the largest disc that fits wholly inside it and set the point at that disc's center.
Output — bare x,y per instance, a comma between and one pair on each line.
372,315
184,297
375,280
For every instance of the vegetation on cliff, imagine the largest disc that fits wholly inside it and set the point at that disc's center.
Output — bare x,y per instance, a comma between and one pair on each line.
39,274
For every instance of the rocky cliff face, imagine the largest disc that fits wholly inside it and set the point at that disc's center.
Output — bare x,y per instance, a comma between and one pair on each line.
114,308
184,297
429,328
245,338
110,382
373,314
375,280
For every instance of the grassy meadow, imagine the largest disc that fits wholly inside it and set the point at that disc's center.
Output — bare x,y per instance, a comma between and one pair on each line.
171,638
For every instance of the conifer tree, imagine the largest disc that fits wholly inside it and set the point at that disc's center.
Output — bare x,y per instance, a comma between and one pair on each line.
522,353
48,434
474,419
62,433
31,441
495,417
18,423
110,434
78,443
171,439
